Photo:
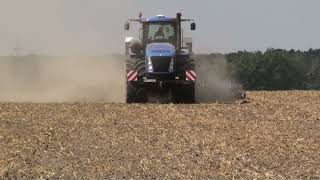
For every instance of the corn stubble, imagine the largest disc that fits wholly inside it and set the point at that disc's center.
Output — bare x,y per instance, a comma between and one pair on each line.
275,135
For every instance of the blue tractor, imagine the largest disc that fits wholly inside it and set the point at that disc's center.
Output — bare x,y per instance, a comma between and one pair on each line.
160,65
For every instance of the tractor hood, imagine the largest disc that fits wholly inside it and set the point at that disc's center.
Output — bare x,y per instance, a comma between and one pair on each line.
160,49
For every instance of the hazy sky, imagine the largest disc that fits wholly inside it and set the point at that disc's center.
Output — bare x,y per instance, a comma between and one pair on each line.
96,26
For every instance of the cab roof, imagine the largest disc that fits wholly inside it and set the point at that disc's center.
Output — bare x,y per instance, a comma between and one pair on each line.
158,18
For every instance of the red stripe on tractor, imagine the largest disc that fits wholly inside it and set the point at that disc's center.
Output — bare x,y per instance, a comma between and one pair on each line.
191,76
130,73
193,73
133,76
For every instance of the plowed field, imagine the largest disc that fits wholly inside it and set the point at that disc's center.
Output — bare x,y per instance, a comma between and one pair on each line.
274,135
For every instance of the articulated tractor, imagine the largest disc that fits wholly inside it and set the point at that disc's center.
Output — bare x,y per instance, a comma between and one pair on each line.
159,64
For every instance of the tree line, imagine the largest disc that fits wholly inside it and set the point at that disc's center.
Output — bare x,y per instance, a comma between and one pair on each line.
274,69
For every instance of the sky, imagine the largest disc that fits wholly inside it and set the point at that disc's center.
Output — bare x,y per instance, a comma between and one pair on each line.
61,27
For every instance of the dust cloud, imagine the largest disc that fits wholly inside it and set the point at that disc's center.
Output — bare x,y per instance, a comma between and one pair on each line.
62,79
67,69
213,83
47,28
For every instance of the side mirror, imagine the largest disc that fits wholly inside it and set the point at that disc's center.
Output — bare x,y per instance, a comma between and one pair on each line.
193,26
126,26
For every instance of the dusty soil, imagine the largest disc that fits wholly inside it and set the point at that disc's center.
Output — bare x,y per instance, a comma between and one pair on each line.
275,135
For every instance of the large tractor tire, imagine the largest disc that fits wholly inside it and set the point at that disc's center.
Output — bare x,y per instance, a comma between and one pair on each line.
141,67
185,93
136,92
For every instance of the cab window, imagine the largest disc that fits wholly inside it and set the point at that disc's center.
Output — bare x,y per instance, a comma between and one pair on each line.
160,32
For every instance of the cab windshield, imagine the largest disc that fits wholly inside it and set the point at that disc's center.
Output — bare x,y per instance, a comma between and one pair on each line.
160,32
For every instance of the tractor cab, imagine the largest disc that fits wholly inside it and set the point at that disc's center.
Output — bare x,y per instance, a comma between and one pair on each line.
161,29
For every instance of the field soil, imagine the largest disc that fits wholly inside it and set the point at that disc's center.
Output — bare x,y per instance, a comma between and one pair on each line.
273,135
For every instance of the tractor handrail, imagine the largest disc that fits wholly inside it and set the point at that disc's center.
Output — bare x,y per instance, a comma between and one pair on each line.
182,20
136,20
